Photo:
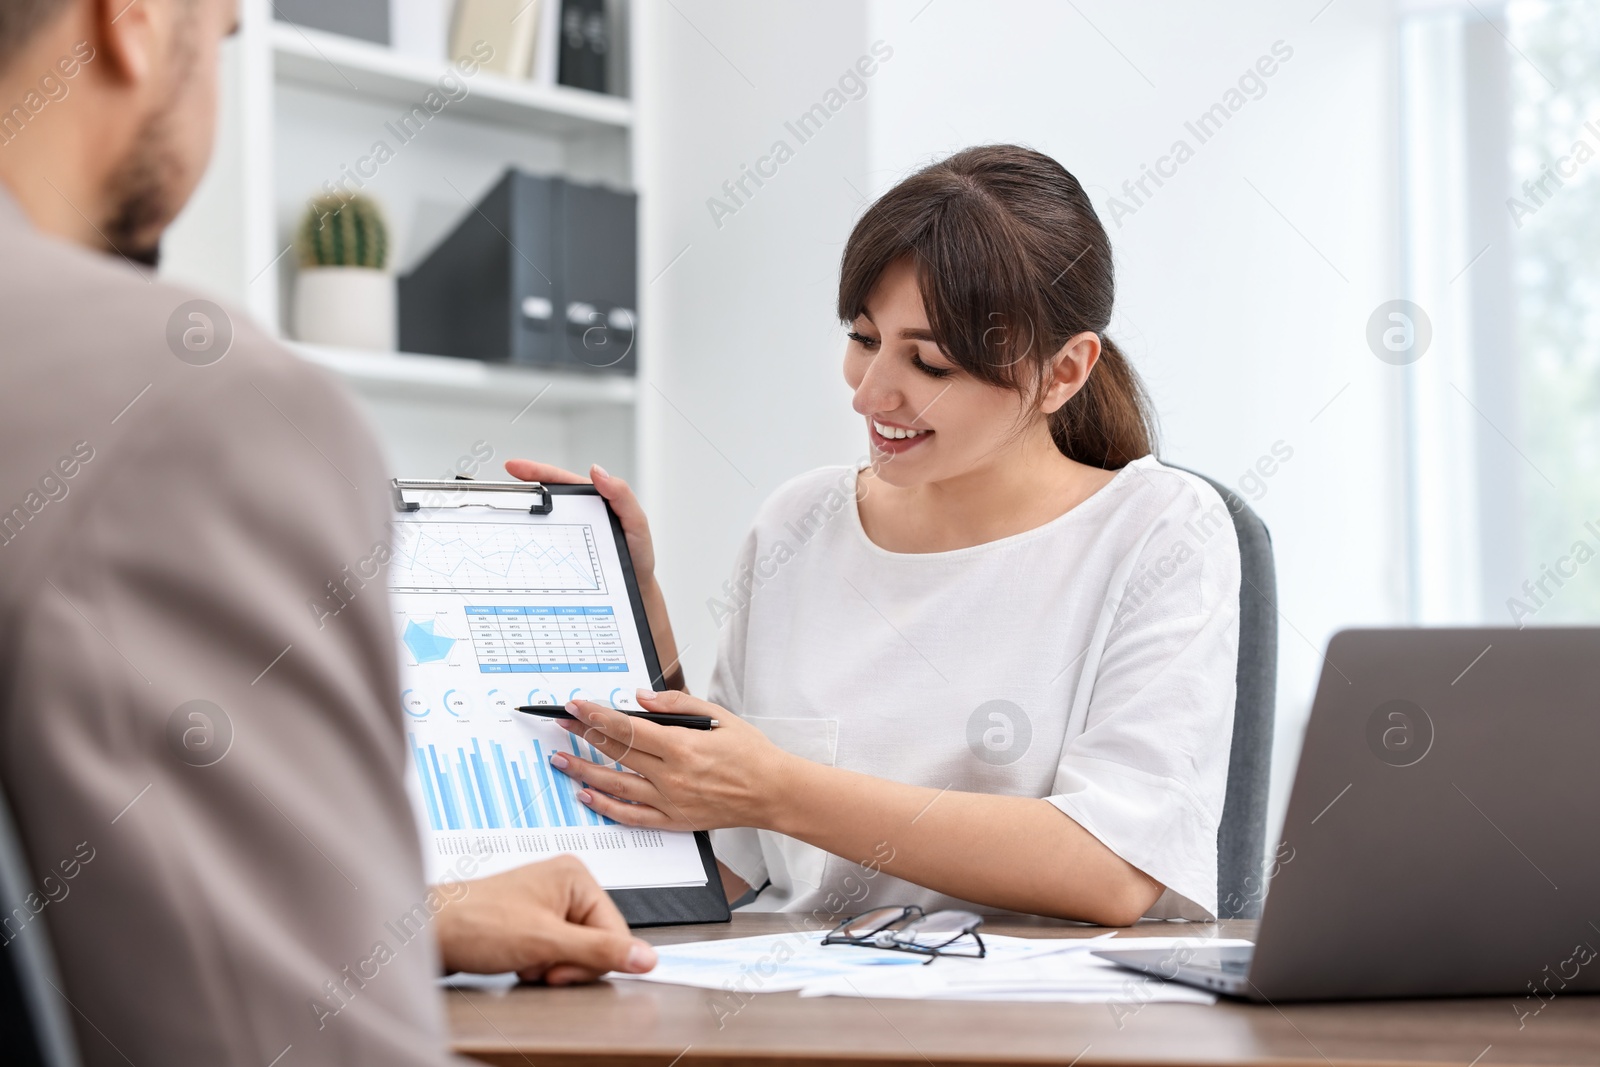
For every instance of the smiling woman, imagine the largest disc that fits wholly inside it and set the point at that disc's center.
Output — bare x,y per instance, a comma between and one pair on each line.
968,679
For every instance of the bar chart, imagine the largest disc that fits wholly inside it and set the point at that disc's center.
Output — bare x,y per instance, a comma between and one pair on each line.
479,785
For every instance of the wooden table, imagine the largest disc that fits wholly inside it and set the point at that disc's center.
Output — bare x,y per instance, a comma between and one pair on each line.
636,1023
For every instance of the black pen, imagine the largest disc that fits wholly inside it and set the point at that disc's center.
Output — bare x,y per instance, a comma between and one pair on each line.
688,722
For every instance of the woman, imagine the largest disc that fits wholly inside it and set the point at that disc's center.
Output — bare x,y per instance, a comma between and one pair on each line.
996,666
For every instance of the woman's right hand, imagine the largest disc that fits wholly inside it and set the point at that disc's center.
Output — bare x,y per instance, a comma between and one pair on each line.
635,526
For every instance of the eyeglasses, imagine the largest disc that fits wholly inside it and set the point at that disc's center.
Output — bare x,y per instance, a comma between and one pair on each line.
909,929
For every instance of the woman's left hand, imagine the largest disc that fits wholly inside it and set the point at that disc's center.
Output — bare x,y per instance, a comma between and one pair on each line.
685,779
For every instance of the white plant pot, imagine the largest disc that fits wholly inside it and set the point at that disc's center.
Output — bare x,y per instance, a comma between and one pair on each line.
352,307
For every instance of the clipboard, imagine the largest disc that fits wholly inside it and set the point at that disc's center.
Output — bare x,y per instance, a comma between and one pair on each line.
494,593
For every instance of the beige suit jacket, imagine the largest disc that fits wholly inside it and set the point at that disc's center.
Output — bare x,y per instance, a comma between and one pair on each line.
230,882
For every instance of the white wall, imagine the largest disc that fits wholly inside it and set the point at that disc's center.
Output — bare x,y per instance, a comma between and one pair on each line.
740,352
1245,322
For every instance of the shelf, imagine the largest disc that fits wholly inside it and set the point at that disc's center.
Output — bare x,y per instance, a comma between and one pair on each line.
360,70
405,376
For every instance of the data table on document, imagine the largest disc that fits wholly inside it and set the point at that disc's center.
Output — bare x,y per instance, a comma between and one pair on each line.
546,639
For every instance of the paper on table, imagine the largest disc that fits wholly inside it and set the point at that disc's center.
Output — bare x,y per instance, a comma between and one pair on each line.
1073,976
491,983
776,963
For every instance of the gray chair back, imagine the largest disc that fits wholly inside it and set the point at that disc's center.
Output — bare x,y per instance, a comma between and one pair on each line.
1241,839
34,1029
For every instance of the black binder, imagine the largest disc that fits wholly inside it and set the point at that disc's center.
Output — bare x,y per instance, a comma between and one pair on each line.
585,44
541,273
489,290
599,238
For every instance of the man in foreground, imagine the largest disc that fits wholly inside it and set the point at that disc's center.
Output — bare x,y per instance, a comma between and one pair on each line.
207,784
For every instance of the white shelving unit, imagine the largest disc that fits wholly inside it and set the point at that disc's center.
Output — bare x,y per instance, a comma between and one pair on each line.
405,375
300,108
344,65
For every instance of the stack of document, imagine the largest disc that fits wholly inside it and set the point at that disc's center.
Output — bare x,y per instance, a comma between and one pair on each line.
1016,968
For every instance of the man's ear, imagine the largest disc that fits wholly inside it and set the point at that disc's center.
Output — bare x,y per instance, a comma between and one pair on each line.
130,35
1069,370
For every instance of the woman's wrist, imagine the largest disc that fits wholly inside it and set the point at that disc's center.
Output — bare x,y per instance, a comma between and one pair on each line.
655,610
649,590
785,784
655,606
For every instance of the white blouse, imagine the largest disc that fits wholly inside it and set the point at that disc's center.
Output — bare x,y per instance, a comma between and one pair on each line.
1090,662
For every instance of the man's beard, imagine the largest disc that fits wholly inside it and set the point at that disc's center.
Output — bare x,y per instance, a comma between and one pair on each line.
143,205
144,182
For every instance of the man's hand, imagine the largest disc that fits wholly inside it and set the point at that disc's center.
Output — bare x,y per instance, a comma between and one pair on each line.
549,921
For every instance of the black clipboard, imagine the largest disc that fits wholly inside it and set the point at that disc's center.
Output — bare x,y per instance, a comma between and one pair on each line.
668,905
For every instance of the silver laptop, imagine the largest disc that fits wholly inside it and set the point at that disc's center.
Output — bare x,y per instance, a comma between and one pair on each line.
1443,836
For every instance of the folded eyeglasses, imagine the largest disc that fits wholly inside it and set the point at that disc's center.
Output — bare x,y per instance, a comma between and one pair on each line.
910,929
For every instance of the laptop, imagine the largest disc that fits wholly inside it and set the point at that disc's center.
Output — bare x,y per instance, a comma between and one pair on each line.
1443,834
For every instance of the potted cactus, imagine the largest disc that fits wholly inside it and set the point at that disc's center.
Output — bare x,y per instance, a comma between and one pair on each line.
343,294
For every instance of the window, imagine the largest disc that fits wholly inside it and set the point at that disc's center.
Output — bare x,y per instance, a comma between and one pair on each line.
1500,154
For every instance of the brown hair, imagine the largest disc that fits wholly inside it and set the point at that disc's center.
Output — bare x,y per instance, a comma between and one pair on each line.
1012,262
20,20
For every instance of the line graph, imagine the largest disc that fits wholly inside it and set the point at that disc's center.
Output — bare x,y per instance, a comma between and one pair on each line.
492,557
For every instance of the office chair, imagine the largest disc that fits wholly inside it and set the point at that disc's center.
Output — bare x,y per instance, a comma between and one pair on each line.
34,1030
1241,837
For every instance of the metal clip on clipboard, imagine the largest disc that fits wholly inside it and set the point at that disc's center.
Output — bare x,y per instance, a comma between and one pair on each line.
413,494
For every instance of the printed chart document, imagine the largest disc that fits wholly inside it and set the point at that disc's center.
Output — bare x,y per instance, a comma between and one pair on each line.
798,960
499,608
1016,969
1070,975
